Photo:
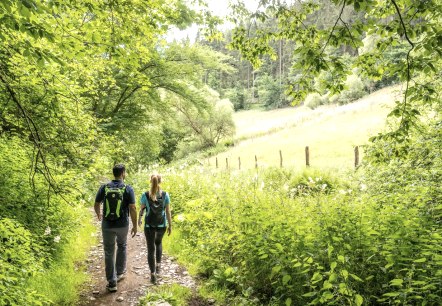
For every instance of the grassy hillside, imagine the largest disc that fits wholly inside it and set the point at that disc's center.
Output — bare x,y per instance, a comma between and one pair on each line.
331,132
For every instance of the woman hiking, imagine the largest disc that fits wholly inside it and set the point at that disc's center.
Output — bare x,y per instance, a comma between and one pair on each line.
158,219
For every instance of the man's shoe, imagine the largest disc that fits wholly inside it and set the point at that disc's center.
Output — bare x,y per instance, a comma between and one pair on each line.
153,278
111,287
121,276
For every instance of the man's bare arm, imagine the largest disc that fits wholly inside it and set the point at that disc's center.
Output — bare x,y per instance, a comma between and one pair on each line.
97,209
133,216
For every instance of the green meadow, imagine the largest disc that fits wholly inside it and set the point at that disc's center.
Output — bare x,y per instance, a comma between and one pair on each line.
330,131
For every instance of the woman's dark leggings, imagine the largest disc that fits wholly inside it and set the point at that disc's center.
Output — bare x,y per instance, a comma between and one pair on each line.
154,238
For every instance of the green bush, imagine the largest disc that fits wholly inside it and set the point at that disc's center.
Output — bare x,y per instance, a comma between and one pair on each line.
314,100
355,90
36,228
17,263
328,242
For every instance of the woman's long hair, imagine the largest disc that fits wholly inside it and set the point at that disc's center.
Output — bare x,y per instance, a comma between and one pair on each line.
155,181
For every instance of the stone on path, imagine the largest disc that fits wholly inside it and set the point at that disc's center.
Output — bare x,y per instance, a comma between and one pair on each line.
120,299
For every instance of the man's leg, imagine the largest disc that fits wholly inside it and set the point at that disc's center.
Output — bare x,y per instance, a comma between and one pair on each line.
109,251
121,251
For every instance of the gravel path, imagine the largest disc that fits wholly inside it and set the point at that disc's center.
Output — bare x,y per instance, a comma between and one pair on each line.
137,281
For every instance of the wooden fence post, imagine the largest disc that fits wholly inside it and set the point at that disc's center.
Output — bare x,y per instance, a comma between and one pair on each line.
280,158
307,156
356,156
216,162
256,162
239,163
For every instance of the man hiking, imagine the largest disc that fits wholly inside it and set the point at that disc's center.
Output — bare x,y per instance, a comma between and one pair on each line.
118,203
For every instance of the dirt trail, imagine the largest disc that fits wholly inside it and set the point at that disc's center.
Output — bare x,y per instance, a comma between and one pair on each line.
137,281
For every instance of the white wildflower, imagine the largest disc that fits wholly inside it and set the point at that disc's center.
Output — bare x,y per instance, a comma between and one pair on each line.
310,180
349,191
286,187
323,186
342,191
47,231
57,239
363,187
180,217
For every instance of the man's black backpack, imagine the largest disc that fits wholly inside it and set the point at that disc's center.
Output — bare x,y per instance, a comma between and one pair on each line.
113,201
155,217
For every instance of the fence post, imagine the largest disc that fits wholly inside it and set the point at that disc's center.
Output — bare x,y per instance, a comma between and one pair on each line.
280,158
307,156
239,163
356,156
216,162
256,162
227,163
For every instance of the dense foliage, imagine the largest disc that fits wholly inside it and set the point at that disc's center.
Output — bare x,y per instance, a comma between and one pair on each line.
273,235
84,84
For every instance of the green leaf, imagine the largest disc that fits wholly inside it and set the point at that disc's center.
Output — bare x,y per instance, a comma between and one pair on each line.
355,277
358,300
344,274
397,282
341,258
326,285
285,279
288,302
316,277
423,259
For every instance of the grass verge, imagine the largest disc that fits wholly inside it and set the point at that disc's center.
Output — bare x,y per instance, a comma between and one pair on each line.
63,279
174,294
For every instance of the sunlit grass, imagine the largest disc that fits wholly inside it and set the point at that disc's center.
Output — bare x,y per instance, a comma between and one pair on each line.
174,294
62,281
331,132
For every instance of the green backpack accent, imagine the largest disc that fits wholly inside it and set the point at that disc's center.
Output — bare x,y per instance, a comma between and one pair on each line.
113,200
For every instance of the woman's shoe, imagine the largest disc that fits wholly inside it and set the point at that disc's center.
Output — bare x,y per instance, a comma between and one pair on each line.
153,278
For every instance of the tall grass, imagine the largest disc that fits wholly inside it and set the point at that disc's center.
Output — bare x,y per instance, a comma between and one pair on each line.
63,279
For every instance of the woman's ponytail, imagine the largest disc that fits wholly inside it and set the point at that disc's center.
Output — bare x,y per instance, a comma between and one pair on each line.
155,181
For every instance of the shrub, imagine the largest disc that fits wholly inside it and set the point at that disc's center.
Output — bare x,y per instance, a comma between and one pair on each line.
325,243
17,263
314,100
355,90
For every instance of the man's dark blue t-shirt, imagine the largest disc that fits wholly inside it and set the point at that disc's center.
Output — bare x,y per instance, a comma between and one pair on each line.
128,198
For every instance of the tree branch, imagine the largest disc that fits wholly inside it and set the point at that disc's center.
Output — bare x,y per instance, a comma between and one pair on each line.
408,60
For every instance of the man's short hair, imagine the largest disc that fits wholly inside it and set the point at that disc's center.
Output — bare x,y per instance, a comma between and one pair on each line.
118,170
